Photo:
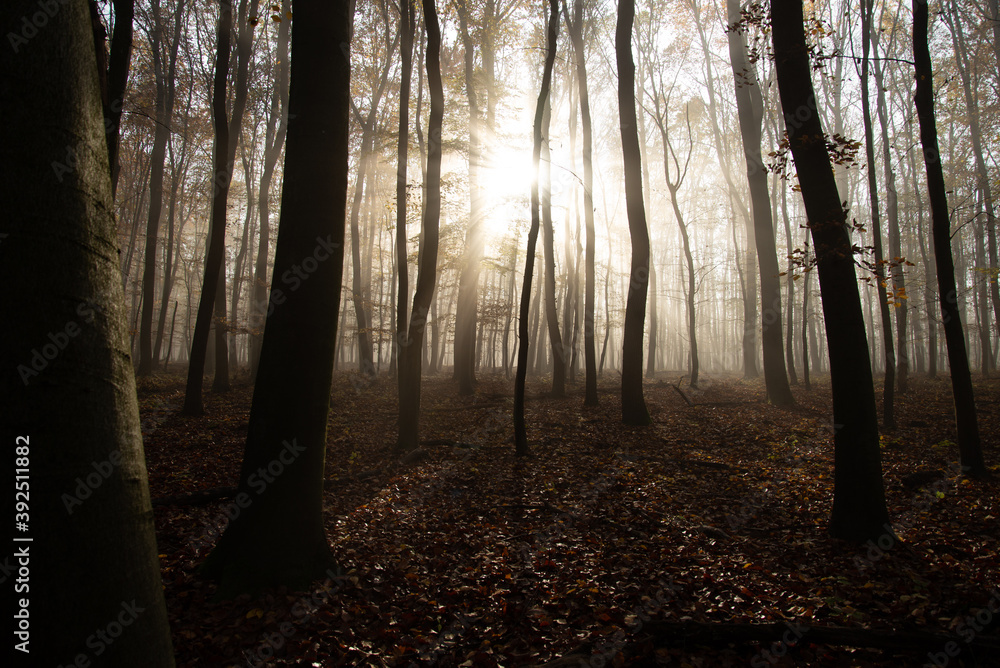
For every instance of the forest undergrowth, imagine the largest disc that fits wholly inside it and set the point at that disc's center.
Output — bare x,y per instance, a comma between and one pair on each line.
465,555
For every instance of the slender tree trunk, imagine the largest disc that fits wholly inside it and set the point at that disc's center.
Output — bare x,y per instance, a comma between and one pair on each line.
520,429
119,62
222,172
278,538
969,445
900,299
576,35
410,350
976,134
889,380
71,415
559,355
750,108
633,404
407,21
468,286
165,74
859,510
273,143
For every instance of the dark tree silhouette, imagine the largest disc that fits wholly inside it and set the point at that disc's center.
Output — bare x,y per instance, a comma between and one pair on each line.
278,537
969,444
411,350
633,404
523,336
859,510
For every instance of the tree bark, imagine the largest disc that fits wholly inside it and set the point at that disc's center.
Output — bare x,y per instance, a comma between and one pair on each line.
969,445
859,510
278,538
70,411
634,410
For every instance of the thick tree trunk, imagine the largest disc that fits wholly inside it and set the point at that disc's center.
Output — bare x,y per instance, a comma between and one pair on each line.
520,429
750,108
278,538
859,510
70,411
633,404
411,350
969,445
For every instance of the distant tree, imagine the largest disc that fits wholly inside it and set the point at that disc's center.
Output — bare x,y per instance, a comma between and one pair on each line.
163,48
559,349
888,348
661,107
278,538
411,349
575,30
407,29
750,109
70,418
466,313
969,444
859,510
633,404
227,133
520,430
274,142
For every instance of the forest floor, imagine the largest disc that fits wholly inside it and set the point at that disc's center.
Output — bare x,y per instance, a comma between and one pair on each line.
473,557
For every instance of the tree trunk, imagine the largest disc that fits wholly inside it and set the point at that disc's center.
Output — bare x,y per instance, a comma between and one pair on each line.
859,510
559,355
970,448
633,404
410,350
750,108
468,286
575,28
119,61
273,143
407,22
889,380
520,430
900,299
222,173
976,134
165,74
70,412
278,538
